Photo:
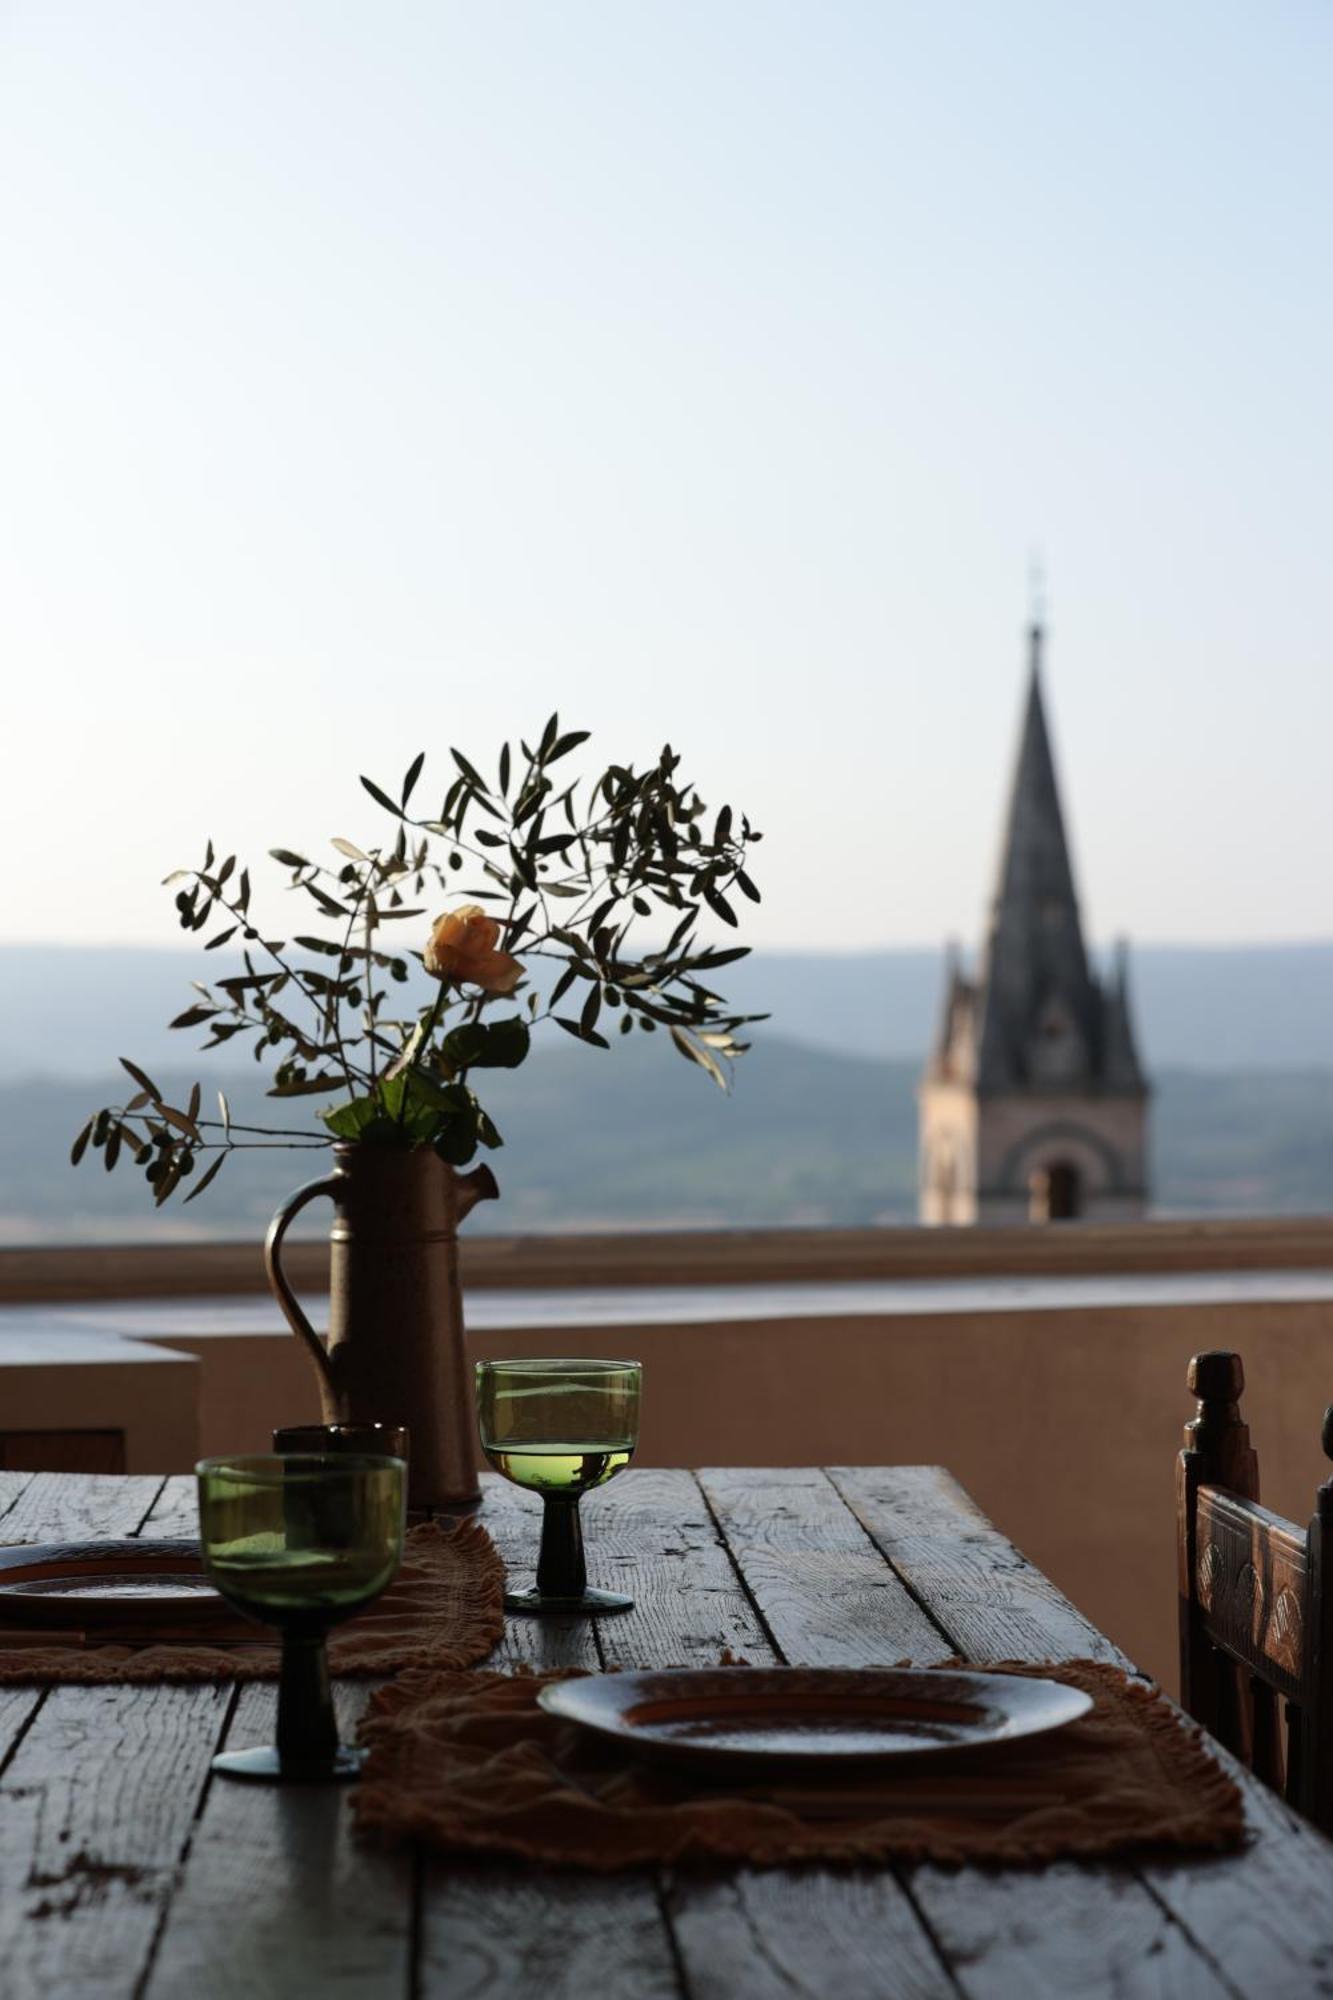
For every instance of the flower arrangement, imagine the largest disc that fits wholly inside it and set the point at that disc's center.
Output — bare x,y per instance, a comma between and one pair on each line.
561,881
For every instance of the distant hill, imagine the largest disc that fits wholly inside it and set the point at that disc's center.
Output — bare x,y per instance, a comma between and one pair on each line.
634,1138
68,1011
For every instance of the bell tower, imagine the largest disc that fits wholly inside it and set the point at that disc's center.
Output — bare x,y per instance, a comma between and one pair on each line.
1033,1105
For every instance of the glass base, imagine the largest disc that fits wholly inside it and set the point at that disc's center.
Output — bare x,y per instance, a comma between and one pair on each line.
592,1604
265,1767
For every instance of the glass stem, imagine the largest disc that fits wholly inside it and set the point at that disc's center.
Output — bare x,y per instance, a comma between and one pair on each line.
561,1571
307,1727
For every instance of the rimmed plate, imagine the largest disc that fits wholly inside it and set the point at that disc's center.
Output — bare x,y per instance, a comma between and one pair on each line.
812,1714
126,1585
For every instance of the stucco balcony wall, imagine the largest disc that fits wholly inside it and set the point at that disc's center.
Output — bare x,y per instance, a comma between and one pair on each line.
1056,1398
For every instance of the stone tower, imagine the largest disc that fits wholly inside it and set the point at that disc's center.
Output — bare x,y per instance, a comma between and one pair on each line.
1033,1103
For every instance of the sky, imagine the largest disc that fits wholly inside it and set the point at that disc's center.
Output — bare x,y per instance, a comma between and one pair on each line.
376,378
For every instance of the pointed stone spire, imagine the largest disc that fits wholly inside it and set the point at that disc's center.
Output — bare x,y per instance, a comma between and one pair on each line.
1033,1101
1036,981
1121,1068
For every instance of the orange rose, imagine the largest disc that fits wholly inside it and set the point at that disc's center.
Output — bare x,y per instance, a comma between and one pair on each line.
463,947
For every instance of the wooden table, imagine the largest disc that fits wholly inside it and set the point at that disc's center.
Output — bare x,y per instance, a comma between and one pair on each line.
125,1871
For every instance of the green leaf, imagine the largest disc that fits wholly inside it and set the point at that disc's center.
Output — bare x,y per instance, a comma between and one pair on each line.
488,1044
193,1016
456,1143
307,1086
382,798
470,772
141,1077
211,1175
580,1033
182,1121
288,860
692,1052
413,773
564,744
349,1121
708,961
746,886
504,771
350,849
80,1146
327,904
223,937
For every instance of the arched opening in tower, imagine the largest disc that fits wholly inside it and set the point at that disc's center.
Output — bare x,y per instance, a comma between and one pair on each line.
1055,1193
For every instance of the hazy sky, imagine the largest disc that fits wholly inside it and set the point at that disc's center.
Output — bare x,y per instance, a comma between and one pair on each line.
380,376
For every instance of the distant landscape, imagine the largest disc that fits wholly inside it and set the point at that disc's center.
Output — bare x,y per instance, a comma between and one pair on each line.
820,1128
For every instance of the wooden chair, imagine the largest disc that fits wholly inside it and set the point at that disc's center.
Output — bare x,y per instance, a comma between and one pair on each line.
1256,1601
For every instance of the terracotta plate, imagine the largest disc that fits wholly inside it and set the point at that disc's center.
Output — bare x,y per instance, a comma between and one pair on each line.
126,1585
813,1713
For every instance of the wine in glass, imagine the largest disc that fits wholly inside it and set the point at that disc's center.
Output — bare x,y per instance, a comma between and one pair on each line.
560,1428
301,1541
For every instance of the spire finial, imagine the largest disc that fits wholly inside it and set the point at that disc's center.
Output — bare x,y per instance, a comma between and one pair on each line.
1036,590
1036,610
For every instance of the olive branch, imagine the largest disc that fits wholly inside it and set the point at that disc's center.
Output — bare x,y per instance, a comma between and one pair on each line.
573,874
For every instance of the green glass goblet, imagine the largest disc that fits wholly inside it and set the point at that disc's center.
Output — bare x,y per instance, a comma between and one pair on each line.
560,1428
301,1541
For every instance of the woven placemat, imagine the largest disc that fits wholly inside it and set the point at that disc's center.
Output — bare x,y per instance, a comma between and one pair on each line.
444,1609
469,1763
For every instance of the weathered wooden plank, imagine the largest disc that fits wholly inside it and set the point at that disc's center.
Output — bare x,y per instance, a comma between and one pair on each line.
490,1929
95,1810
541,1935
1063,1930
1259,1917
990,1599
803,1934
513,1519
278,1897
175,1512
12,1485
998,1932
18,1706
746,1933
80,1506
650,1533
824,1591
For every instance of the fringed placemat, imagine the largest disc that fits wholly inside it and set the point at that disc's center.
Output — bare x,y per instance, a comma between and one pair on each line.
444,1609
469,1763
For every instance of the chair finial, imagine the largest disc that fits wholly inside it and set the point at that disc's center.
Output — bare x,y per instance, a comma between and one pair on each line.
1217,1376
1326,1433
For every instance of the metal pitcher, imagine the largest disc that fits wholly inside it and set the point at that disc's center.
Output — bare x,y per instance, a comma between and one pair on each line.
394,1352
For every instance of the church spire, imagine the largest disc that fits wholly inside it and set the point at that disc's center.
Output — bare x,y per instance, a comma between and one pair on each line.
1036,964
1033,1101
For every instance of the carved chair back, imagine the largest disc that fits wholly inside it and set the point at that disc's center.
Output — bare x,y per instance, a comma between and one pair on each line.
1256,1643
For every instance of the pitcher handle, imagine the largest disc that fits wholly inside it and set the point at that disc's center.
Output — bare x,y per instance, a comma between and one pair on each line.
277,1277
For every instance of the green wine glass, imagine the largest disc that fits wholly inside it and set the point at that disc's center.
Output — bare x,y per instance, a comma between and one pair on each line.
560,1428
301,1541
